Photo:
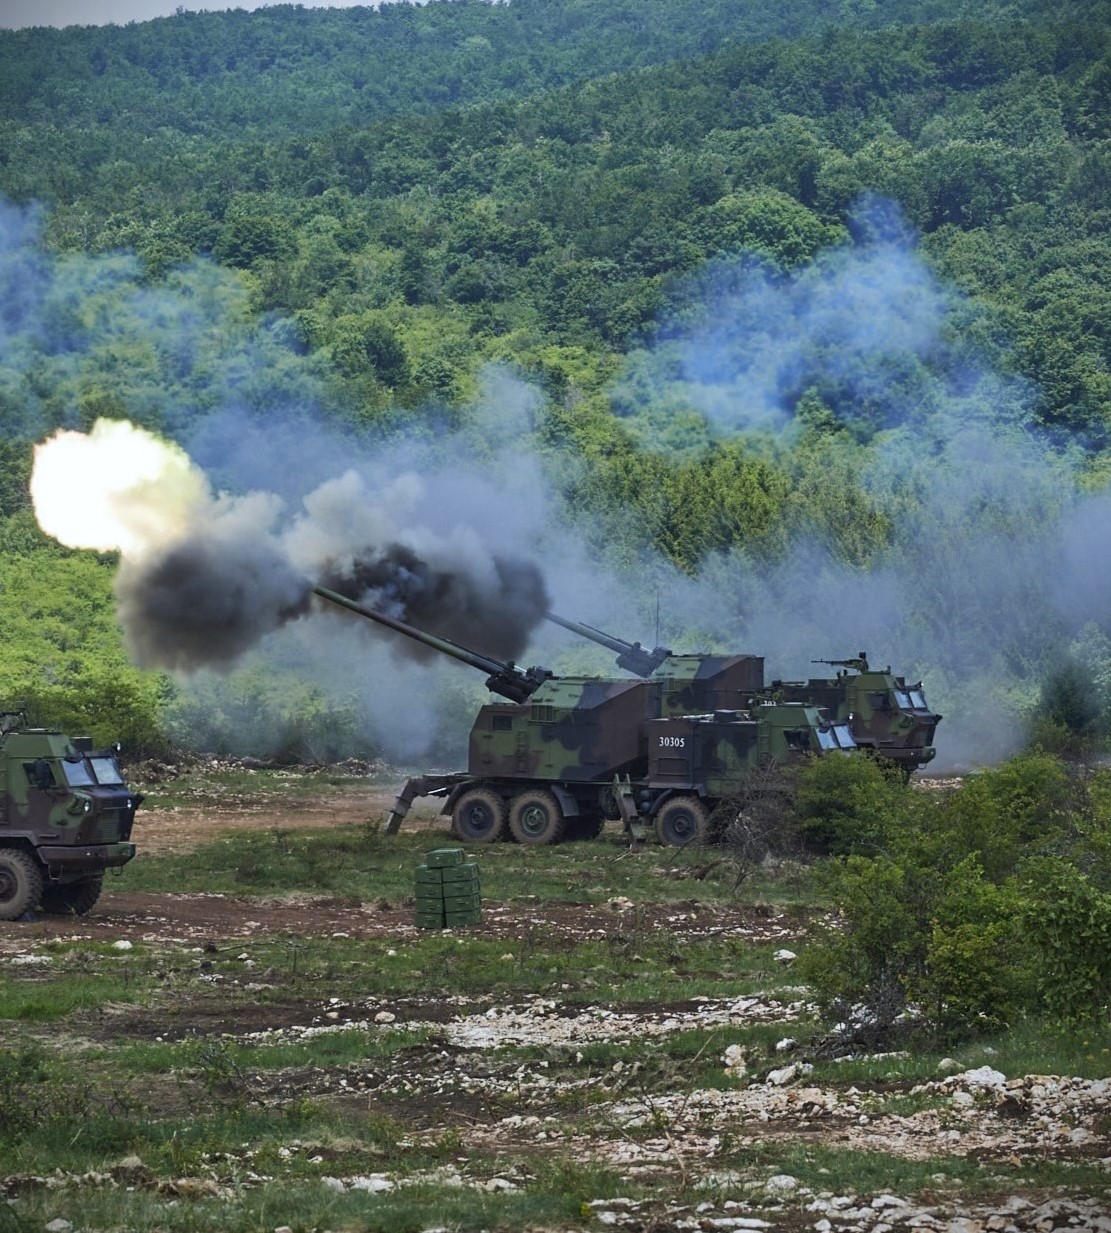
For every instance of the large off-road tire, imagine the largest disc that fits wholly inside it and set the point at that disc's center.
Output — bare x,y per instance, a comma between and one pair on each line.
74,898
478,816
681,821
20,884
535,818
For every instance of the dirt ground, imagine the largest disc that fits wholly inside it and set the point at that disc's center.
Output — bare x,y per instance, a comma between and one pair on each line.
972,1114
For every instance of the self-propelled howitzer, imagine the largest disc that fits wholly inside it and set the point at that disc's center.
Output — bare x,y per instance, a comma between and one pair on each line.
888,716
565,753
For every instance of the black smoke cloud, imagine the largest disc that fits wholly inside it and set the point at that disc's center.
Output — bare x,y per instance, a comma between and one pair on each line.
206,602
493,614
207,598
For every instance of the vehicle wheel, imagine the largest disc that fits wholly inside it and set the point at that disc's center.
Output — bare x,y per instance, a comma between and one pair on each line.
20,884
683,820
76,898
478,816
535,818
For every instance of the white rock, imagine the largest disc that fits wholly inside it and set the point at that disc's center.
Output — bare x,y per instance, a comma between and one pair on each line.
786,1044
122,944
783,1076
784,956
384,1016
734,1059
376,1183
948,1064
333,1183
60,1225
889,1200
284,1228
983,1076
781,1183
963,1100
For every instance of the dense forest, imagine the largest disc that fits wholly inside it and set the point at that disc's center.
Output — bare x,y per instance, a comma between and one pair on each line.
788,324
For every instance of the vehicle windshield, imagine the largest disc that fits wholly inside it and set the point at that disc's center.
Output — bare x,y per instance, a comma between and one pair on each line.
826,738
912,699
106,770
844,736
78,773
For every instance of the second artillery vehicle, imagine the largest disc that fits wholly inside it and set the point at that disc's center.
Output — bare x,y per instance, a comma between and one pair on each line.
65,817
562,754
888,716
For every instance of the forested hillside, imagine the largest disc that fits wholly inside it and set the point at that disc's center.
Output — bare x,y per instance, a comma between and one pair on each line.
800,317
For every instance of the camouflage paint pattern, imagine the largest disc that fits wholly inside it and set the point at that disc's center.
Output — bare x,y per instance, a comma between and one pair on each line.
887,716
714,755
700,684
70,806
572,730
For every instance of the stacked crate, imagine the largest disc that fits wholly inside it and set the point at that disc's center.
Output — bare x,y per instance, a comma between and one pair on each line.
448,891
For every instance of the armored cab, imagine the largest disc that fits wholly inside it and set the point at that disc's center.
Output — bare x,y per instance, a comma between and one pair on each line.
66,815
888,717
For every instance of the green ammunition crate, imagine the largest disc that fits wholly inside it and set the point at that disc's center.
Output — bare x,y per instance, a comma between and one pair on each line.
425,919
429,897
439,858
431,877
462,874
473,917
462,903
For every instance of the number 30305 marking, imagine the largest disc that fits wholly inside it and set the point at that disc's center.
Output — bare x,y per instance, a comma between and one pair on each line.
673,742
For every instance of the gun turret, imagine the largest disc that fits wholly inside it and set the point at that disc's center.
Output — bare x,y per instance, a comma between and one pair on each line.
631,656
859,664
506,679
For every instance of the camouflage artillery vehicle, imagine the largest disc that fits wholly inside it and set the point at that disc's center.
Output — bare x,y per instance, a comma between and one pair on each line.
888,717
65,816
561,755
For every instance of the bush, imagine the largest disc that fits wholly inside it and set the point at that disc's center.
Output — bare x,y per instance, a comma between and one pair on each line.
849,805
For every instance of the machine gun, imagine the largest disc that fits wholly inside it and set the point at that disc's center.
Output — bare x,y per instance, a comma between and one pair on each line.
508,680
859,664
631,656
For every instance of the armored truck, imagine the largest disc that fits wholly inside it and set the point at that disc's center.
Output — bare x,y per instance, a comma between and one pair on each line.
66,815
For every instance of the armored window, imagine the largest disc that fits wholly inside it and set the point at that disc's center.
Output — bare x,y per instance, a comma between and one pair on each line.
106,770
904,699
797,739
844,737
918,698
40,774
77,772
503,723
826,738
880,700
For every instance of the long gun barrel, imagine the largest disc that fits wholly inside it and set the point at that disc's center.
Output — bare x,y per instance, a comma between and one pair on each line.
631,656
506,679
